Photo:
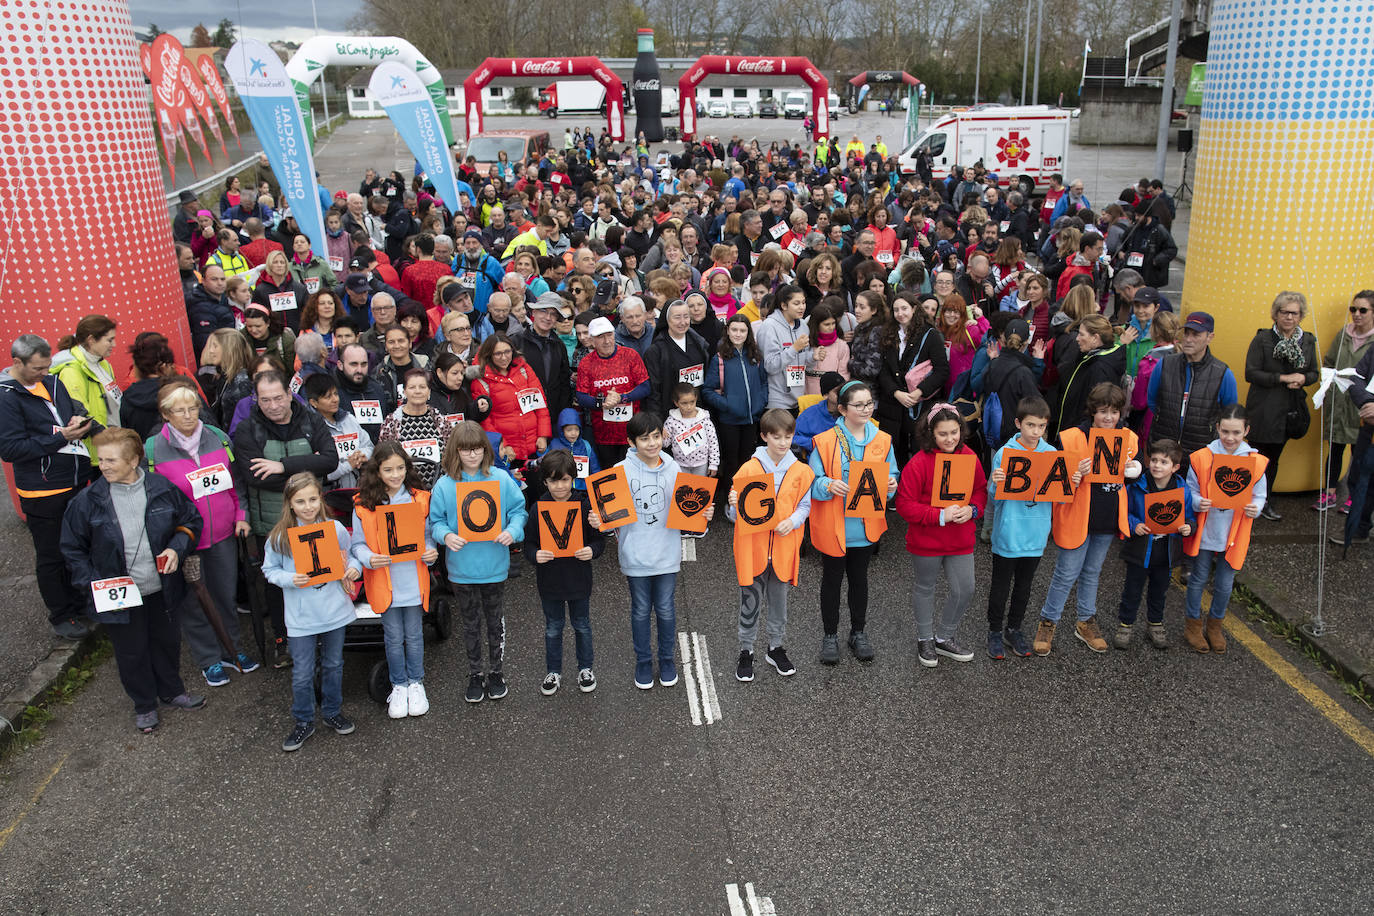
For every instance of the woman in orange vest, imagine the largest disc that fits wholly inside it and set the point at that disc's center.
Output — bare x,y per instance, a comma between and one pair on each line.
1222,536
767,555
394,550
847,543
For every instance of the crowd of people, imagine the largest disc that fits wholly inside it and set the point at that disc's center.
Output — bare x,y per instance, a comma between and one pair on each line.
728,312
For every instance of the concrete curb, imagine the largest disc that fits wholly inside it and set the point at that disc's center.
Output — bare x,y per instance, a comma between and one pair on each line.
1333,652
43,676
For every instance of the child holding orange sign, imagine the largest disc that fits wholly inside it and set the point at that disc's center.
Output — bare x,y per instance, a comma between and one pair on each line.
1159,515
942,494
316,614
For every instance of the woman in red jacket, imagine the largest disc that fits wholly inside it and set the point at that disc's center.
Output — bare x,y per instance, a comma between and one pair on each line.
941,538
886,249
519,411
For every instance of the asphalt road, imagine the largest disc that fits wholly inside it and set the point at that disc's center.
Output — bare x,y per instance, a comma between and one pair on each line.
1141,781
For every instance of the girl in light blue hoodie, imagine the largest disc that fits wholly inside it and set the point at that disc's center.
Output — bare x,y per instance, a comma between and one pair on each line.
478,569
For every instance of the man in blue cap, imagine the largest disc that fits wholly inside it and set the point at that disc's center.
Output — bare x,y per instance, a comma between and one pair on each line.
1189,387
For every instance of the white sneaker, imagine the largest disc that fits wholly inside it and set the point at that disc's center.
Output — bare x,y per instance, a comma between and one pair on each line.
418,702
586,680
552,681
398,704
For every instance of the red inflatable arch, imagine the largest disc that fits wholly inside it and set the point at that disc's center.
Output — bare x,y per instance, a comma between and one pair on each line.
539,71
799,68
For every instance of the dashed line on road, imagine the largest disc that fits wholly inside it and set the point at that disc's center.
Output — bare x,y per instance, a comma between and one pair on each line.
8,832
702,701
750,904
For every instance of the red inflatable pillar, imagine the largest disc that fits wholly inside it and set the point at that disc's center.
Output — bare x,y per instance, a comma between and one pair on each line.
83,215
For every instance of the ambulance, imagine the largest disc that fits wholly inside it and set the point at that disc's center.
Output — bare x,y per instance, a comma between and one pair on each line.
1023,144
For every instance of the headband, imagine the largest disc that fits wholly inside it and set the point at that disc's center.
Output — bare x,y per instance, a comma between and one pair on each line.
847,385
936,408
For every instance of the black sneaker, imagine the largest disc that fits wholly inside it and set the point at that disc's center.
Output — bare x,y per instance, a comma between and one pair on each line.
1015,641
281,654
300,733
996,650
860,646
1269,513
70,628
951,649
476,691
341,724
496,686
830,650
780,662
925,653
744,670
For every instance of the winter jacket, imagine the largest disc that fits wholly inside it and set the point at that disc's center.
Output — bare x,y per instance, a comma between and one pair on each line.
1154,248
93,544
267,287
219,511
86,388
736,390
811,422
775,337
698,450
548,357
391,377
28,442
206,314
303,443
1107,364
138,409
1020,528
314,609
478,562
1141,549
647,546
282,346
369,390
563,578
928,533
668,364
345,424
1268,400
925,344
836,360
1345,419
1010,377
580,448
519,427
640,344
233,391
865,357
314,275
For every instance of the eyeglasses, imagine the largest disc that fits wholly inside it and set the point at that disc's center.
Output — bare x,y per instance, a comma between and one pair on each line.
1290,314
866,405
183,411
1355,310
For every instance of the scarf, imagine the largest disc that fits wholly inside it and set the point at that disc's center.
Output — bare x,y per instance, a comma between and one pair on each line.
826,340
1289,349
303,261
190,443
1357,340
111,392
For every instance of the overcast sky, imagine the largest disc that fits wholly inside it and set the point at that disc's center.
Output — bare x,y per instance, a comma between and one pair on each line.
268,20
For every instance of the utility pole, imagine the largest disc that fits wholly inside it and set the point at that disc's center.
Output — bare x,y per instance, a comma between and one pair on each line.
1166,94
1039,21
324,83
978,65
1025,54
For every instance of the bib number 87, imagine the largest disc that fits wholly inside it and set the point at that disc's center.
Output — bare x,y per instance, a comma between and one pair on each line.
119,593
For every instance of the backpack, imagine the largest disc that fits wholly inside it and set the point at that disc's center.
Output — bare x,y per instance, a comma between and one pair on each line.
992,420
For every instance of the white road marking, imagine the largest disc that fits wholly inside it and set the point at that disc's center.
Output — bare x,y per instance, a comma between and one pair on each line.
689,680
709,700
750,904
736,904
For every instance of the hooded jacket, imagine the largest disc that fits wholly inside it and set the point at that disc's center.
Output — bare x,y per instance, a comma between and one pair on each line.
84,385
1020,528
775,337
1107,364
219,511
647,546
1141,549
28,442
569,416
928,534
735,389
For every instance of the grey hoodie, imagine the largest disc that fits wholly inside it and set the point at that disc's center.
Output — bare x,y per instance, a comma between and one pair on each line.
775,338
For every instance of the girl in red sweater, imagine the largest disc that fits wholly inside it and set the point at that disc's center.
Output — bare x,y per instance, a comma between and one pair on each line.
940,538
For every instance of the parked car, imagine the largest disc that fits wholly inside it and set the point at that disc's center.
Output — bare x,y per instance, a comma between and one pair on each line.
741,109
768,109
716,108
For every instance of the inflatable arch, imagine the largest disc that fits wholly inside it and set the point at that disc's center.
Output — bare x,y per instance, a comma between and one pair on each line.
799,67
309,61
540,71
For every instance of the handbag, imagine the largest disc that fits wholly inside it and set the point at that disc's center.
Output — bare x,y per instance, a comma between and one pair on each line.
1298,418
918,372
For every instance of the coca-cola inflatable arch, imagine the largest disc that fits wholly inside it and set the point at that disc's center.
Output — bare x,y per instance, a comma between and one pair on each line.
540,71
799,68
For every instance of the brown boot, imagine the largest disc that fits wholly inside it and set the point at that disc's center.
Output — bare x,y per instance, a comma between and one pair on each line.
1192,635
1215,637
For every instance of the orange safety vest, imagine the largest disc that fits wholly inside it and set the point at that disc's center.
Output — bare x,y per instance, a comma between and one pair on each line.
1070,525
377,582
755,550
827,515
1238,538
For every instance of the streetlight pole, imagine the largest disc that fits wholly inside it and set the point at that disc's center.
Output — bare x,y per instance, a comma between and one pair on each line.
1025,54
978,66
1166,95
1039,21
324,84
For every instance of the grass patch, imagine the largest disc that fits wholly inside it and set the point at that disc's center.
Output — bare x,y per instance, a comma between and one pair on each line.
29,730
1280,628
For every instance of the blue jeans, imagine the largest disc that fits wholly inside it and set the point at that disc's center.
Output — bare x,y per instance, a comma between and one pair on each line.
1082,565
303,674
403,629
653,593
580,612
1203,565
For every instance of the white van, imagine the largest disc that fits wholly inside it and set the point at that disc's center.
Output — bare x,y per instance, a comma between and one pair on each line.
1023,145
795,105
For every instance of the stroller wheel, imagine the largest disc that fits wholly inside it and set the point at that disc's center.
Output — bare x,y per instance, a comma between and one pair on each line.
442,618
379,682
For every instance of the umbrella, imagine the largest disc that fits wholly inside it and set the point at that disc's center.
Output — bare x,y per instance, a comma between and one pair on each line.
191,572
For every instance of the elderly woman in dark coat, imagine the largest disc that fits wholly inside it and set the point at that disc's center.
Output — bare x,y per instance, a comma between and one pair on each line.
1281,362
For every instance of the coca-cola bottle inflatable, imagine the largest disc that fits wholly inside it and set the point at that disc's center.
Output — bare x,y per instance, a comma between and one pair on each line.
648,91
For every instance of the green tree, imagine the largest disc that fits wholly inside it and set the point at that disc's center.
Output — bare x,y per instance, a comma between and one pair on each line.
200,37
153,30
225,34
523,98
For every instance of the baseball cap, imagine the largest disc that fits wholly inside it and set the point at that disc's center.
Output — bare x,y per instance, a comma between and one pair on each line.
1018,326
1148,294
830,381
605,291
452,291
473,234
186,197
1200,321
357,264
600,326
357,283
553,302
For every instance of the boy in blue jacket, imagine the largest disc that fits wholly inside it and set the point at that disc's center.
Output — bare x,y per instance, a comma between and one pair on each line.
1150,558
569,439
1020,530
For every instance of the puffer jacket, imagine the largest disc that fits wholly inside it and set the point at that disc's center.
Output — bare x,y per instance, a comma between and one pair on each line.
303,443
519,429
735,390
219,511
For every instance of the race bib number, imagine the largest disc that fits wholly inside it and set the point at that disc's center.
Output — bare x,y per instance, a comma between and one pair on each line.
692,375
367,411
1135,259
530,400
209,480
312,285
753,258
1005,225
422,449
796,247
115,594
468,280
691,439
454,418
884,257
336,264
620,413
346,444
112,389
282,302
796,375
296,381
75,447
778,231
584,465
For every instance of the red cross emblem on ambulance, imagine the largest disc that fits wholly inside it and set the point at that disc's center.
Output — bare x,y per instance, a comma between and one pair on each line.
1013,149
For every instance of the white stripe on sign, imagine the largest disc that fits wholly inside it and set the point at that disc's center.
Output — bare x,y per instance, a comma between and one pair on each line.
688,679
709,700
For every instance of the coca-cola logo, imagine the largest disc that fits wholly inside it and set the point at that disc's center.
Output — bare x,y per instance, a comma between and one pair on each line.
764,65
601,74
188,79
541,68
812,75
482,76
170,59
648,86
